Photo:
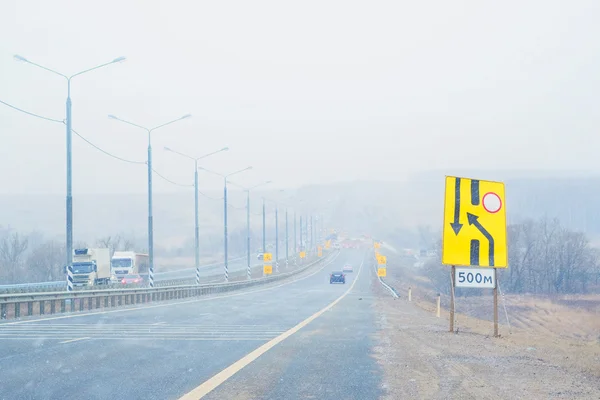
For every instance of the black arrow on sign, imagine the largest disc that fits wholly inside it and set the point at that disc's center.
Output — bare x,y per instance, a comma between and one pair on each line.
473,221
456,226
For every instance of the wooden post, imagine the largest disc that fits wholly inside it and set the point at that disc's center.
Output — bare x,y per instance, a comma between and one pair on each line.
495,303
452,298
409,293
439,303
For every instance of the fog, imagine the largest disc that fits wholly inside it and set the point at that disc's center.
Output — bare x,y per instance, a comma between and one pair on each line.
311,93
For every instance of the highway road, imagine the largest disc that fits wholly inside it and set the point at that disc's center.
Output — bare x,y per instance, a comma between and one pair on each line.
297,339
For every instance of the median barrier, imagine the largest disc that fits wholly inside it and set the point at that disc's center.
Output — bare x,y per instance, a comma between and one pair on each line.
15,305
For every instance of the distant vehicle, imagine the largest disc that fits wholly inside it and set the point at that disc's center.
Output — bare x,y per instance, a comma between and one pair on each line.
128,263
337,277
134,279
91,267
347,268
260,256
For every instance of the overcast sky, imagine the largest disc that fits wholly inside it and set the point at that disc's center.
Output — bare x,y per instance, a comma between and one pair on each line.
304,91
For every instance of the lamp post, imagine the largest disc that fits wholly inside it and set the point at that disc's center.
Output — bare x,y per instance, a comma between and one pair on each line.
247,190
225,236
150,217
196,225
287,243
68,122
264,228
249,269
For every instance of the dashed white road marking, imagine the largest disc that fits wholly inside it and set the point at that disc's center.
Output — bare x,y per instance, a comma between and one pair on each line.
75,340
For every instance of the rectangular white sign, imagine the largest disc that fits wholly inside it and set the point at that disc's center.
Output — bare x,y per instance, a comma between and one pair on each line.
474,278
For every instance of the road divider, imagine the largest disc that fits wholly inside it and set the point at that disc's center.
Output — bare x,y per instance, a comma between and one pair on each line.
165,277
15,305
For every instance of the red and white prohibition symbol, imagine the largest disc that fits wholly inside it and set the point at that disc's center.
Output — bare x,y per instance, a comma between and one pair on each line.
492,202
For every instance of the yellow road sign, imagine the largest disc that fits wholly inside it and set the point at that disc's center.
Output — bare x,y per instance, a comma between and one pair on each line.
267,257
302,254
474,223
267,269
328,244
377,245
319,251
382,272
381,260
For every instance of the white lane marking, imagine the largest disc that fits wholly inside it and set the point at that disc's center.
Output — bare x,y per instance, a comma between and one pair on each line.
214,382
159,323
75,340
146,307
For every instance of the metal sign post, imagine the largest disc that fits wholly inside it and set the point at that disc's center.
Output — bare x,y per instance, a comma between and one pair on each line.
474,237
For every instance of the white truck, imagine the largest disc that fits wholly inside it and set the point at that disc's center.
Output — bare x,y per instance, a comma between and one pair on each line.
128,263
91,267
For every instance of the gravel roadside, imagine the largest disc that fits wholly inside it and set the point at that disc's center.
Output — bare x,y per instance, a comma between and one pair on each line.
421,359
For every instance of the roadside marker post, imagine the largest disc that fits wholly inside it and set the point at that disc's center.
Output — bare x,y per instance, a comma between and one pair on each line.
69,278
474,236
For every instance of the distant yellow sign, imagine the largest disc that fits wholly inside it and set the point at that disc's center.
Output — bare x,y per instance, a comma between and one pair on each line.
267,257
381,260
328,244
319,251
267,269
302,254
382,272
377,245
474,232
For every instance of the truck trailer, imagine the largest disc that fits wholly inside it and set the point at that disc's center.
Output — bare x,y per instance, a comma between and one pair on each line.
128,263
91,267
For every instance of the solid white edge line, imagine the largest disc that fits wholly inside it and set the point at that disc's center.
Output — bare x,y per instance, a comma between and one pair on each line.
214,382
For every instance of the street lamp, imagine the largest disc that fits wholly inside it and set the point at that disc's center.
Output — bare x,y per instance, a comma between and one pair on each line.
196,227
277,234
225,177
247,190
150,222
68,122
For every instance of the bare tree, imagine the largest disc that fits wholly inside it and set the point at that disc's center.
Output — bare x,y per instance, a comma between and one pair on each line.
45,263
12,249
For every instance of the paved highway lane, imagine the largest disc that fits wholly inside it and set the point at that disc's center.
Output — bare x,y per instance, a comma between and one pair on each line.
166,350
331,358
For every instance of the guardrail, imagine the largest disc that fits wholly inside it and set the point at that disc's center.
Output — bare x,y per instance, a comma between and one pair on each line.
17,304
62,284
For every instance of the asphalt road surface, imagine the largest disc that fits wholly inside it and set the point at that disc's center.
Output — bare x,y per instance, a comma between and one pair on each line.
173,350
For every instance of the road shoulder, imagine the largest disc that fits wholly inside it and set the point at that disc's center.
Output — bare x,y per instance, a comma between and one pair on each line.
420,359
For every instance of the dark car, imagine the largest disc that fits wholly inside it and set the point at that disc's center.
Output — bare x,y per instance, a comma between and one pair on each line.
337,277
